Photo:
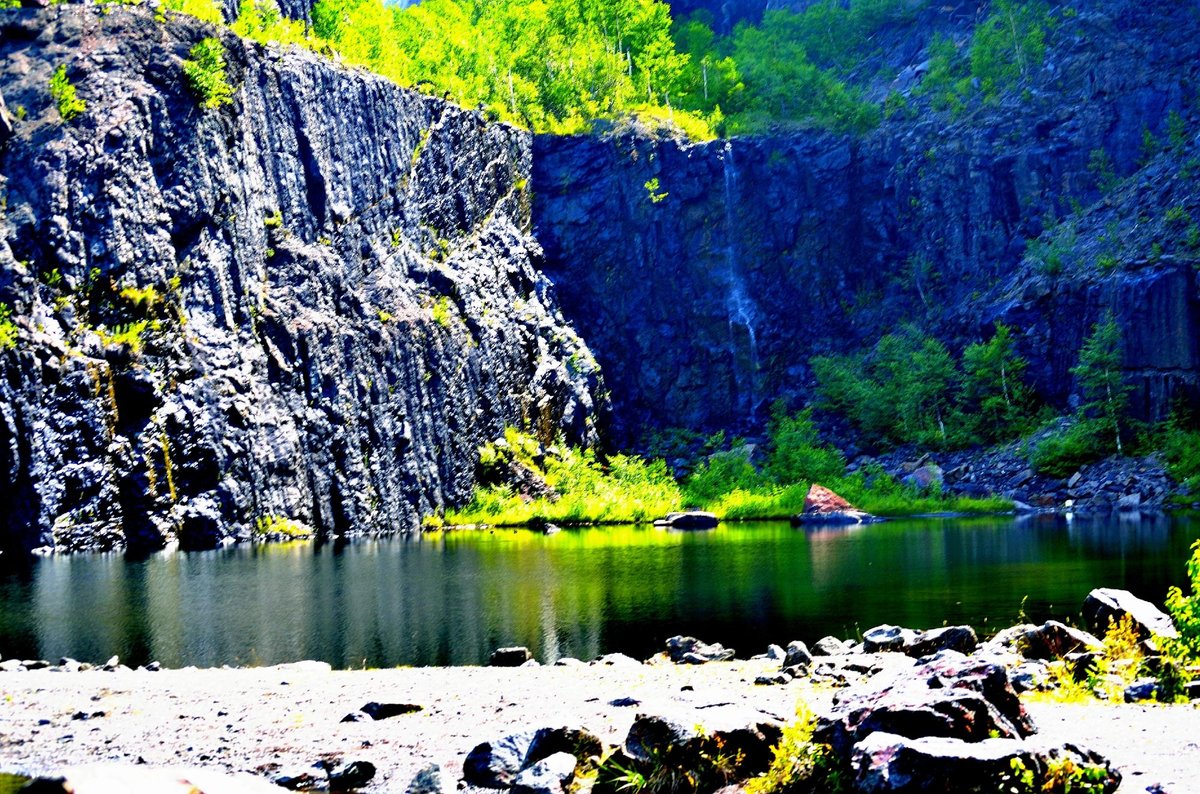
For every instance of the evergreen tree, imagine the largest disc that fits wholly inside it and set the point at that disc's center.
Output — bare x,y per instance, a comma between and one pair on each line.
1105,394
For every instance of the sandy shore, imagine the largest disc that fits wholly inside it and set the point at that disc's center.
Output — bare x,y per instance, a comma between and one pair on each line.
259,720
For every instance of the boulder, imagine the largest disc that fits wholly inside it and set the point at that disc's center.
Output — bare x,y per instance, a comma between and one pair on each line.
775,653
1142,689
350,776
797,655
1105,604
581,744
1130,503
384,711
830,646
889,763
887,638
925,476
689,650
954,696
303,778
823,506
430,780
689,738
691,519
953,638
1049,641
551,775
509,657
496,764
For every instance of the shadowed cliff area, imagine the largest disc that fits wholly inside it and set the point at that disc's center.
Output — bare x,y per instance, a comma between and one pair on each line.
705,277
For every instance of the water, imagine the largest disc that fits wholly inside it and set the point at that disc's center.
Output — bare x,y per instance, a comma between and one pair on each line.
453,598
739,306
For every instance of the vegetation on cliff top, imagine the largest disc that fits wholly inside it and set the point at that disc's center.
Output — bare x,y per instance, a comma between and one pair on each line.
559,65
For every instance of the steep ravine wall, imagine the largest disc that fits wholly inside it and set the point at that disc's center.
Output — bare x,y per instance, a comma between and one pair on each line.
704,294
340,294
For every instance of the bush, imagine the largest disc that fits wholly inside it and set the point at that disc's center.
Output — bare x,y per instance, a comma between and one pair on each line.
205,72
1181,448
1185,610
63,93
796,453
204,10
8,329
1063,453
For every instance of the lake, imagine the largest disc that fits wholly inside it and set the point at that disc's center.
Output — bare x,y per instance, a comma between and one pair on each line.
450,598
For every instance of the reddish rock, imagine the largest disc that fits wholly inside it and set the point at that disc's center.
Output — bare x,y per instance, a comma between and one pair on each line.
821,500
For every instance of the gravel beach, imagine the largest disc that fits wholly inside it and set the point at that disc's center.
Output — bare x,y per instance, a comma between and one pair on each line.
264,720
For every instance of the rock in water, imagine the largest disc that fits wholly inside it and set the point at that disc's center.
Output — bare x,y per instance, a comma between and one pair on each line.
692,519
510,657
1105,604
823,506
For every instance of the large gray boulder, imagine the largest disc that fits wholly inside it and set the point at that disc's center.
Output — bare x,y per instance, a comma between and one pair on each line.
1051,640
885,762
551,775
496,763
688,738
1106,604
953,697
689,650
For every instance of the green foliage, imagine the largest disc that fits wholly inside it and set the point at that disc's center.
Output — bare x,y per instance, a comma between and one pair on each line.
796,453
441,312
1105,394
130,335
719,474
1062,775
1063,453
262,21
281,525
205,72
1181,448
783,85
655,195
621,489
1177,132
63,93
8,329
902,391
995,400
1185,610
9,4
1100,165
1008,45
800,764
204,10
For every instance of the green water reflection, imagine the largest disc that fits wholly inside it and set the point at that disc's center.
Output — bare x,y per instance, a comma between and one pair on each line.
451,599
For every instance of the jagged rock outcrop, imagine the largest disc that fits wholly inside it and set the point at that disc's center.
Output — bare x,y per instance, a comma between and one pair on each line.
705,297
313,304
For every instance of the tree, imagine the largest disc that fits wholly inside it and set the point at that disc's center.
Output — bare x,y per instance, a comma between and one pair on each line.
993,386
797,455
1105,393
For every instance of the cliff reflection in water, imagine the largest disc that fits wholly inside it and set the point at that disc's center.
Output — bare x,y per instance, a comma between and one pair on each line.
452,598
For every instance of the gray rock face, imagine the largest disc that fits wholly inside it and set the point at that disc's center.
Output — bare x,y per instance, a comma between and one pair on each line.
314,304
953,697
1106,604
689,650
888,763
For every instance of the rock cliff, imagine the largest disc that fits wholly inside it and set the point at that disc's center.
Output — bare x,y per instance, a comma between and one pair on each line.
312,304
706,276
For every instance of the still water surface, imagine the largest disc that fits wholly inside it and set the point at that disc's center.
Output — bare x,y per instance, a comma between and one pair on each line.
451,599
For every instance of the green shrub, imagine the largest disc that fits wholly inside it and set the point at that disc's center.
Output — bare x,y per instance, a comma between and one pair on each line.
1181,448
204,10
63,93
1182,653
205,72
719,474
1105,393
8,329
796,454
1009,45
1063,453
